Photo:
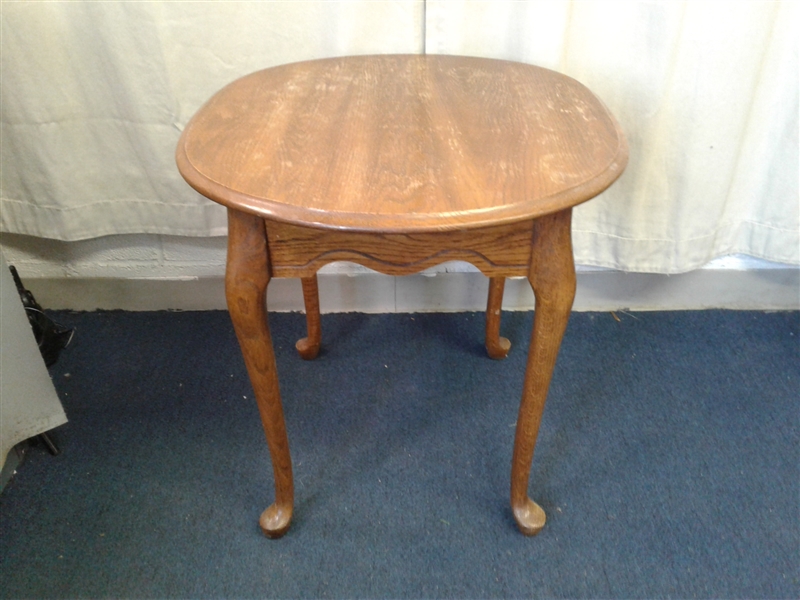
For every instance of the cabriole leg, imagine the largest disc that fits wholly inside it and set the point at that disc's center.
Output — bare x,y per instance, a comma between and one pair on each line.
496,347
552,276
246,279
308,347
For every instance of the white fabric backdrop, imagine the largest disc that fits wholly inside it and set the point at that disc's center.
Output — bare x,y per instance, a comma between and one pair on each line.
707,93
94,96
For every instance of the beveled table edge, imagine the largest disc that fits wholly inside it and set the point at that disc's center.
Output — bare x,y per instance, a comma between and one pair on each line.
416,223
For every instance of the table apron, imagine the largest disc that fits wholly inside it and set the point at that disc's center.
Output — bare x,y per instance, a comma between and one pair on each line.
498,251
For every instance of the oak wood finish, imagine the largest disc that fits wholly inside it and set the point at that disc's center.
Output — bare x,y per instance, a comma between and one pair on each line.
301,251
246,277
308,347
497,347
552,277
399,163
402,143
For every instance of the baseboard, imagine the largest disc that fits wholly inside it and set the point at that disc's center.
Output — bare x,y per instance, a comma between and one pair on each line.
598,290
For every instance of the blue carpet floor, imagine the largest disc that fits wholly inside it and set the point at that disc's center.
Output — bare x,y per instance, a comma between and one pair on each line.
668,462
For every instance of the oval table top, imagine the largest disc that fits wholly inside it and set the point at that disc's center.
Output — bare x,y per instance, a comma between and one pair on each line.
402,143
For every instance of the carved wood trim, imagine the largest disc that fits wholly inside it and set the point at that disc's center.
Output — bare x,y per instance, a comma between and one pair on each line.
501,251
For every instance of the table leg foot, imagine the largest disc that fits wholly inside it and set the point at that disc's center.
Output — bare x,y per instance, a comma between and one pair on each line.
497,347
308,347
275,521
529,516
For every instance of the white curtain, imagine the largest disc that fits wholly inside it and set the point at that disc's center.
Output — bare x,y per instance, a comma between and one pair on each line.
94,96
707,93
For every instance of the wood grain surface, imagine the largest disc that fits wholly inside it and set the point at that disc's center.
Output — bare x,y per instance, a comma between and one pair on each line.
301,251
246,277
402,143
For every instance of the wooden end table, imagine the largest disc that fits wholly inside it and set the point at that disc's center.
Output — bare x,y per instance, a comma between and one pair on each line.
399,163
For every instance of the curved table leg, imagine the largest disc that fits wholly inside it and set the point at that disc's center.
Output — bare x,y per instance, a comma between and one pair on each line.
308,347
496,347
552,276
246,278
